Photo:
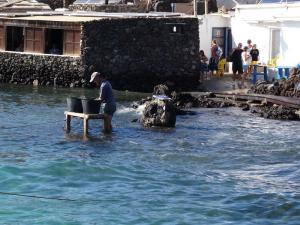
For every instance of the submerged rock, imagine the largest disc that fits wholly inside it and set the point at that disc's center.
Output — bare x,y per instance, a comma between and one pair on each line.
159,113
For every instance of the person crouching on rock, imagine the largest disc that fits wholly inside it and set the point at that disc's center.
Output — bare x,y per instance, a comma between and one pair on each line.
106,96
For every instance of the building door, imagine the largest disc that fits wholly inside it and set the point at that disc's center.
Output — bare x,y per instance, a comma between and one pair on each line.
223,37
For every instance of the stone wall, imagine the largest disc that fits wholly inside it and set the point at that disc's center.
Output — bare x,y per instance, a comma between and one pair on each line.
54,4
25,68
138,53
109,8
135,53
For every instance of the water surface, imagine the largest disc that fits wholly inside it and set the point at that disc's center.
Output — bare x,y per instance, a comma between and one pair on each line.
221,166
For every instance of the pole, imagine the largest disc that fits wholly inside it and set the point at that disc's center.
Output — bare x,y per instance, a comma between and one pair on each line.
195,7
205,7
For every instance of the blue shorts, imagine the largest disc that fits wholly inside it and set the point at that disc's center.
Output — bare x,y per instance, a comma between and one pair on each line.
109,108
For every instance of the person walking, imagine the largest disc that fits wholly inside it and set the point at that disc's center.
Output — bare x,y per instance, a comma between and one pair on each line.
214,59
106,96
237,66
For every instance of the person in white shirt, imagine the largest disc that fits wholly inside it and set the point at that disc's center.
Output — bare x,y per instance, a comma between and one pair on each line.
246,57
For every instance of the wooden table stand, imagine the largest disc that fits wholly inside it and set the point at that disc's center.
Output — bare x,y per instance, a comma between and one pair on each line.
85,117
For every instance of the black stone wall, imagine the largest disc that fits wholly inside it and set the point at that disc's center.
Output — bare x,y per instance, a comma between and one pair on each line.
109,8
25,68
138,53
135,53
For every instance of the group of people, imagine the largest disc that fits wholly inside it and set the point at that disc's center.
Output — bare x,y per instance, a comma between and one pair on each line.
216,62
242,58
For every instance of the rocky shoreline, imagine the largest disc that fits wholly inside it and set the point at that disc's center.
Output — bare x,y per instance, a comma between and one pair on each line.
163,112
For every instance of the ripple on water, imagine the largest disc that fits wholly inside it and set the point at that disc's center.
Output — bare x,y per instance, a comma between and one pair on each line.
220,166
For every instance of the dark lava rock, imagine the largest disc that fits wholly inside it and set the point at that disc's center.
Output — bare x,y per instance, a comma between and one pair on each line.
159,113
278,112
161,89
285,87
184,100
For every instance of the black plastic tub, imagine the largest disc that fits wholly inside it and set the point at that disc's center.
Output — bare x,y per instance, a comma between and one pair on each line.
74,104
90,106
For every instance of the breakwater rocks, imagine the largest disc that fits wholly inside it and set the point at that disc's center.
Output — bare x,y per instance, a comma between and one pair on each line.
156,111
41,69
161,110
278,112
285,87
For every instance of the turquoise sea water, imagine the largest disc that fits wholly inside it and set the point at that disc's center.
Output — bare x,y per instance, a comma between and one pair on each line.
221,166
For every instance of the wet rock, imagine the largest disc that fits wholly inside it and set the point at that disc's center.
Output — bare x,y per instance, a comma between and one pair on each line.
277,112
244,106
134,120
206,102
136,104
161,89
159,113
285,87
184,100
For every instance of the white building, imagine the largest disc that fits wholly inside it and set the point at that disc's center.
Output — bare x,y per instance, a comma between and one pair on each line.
274,27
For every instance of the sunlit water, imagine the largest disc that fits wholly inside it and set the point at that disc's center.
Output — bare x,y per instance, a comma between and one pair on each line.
220,166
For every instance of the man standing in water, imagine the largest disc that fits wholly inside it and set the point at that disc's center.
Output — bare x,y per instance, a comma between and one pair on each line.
106,96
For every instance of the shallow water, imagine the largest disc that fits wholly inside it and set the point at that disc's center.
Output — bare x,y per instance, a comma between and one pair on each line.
221,166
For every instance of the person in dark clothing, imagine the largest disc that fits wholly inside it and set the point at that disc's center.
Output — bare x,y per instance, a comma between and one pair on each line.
254,54
237,65
203,67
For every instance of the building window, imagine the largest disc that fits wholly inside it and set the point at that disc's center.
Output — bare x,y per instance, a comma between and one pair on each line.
54,41
71,42
176,28
15,39
2,38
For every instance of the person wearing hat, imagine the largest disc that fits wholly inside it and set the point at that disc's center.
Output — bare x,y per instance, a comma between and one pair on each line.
106,96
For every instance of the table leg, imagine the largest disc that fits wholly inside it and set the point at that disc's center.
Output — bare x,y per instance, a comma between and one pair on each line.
287,72
265,73
280,73
85,126
68,123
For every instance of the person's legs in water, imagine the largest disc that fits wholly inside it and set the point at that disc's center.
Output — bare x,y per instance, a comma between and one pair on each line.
107,127
109,110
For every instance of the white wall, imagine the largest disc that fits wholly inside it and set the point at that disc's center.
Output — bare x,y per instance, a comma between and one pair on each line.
290,43
205,29
256,21
242,31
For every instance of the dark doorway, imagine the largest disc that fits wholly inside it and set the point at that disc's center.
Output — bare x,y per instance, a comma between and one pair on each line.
54,41
224,38
15,39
